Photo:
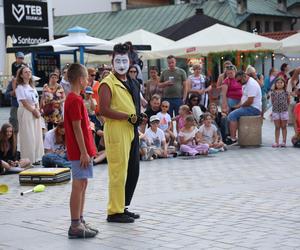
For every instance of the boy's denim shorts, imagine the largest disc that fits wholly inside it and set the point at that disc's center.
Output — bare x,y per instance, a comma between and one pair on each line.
243,111
79,172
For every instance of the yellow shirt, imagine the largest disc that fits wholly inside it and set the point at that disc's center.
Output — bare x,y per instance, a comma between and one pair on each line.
121,99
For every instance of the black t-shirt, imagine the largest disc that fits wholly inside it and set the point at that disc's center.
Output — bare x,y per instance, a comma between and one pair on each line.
149,112
15,67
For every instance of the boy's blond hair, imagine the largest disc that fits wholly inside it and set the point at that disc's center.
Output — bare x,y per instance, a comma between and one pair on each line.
165,102
75,71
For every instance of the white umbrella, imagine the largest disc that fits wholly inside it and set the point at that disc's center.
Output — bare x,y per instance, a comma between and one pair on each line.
77,37
218,38
291,44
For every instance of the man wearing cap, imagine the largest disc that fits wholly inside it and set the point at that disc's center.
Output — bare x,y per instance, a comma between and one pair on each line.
18,63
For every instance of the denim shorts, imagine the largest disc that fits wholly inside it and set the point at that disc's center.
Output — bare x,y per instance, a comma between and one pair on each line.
79,172
284,116
243,111
232,102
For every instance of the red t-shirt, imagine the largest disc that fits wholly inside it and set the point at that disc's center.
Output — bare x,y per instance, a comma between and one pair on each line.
234,90
74,111
297,116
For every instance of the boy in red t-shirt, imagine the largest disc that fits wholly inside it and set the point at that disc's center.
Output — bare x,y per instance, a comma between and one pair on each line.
80,150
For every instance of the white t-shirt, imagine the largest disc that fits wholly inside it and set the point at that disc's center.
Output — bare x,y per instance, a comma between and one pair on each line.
164,120
155,138
188,135
26,92
250,89
208,133
49,142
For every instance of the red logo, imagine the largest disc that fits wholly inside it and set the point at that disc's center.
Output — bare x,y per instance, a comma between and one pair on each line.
189,50
256,45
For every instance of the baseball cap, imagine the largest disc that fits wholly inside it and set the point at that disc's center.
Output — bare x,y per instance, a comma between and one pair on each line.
154,118
20,54
88,90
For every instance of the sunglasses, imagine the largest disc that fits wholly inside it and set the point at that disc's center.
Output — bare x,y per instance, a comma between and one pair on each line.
164,106
93,75
230,67
132,71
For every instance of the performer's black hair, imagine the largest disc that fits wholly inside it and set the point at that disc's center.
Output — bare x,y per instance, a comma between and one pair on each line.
120,49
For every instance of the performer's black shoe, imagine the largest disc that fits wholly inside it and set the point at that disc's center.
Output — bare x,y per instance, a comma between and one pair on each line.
131,214
120,218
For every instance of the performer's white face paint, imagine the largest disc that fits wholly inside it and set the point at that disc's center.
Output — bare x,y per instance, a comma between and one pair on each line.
121,64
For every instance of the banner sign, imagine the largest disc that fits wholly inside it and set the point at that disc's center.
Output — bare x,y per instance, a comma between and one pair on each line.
25,13
27,36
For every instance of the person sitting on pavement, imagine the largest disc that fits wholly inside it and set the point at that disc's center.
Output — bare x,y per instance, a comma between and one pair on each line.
166,124
152,109
219,119
250,104
208,133
188,139
184,111
195,106
156,138
8,151
146,152
55,149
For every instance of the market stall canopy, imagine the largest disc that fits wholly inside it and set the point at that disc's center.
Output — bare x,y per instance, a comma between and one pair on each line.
291,44
218,38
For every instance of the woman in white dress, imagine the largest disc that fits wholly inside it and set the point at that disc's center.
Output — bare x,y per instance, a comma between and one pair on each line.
29,117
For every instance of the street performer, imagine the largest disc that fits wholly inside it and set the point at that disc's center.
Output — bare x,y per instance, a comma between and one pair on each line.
120,105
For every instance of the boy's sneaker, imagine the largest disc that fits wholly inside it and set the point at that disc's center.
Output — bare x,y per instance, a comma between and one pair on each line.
88,226
230,141
81,232
150,152
120,218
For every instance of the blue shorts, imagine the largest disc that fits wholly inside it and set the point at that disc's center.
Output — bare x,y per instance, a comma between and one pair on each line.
232,102
79,172
243,111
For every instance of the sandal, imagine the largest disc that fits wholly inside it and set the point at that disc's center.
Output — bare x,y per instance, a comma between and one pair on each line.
283,145
275,145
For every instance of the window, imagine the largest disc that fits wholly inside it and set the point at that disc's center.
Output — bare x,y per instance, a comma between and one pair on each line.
257,26
277,26
249,28
267,26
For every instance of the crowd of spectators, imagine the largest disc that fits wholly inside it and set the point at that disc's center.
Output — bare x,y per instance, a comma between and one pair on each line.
187,115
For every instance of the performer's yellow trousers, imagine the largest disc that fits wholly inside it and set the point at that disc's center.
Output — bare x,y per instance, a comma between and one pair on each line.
118,136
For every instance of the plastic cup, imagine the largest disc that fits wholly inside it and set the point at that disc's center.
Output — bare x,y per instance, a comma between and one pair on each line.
3,188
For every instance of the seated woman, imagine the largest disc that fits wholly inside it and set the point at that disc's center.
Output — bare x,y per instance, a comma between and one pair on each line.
10,159
188,139
219,119
208,133
55,150
99,141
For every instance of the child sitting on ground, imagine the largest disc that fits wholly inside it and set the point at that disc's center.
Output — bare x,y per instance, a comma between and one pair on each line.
208,133
188,139
166,123
184,111
8,152
156,138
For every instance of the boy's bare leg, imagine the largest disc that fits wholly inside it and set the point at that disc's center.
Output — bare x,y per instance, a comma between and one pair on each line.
76,199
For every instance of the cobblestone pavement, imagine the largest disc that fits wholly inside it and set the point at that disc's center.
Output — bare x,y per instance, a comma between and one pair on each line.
245,198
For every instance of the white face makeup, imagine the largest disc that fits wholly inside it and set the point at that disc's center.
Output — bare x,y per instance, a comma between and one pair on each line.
121,64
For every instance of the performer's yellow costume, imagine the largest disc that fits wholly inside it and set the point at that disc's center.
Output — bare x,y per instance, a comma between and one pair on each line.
118,135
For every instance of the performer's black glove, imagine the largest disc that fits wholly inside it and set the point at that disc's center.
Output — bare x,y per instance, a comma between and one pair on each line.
137,119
